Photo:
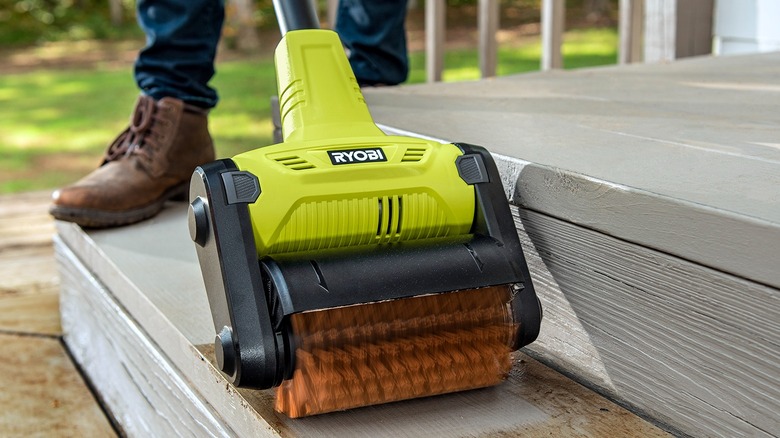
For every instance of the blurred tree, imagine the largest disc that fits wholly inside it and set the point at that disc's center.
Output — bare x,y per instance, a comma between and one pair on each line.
242,27
116,9
35,21
595,10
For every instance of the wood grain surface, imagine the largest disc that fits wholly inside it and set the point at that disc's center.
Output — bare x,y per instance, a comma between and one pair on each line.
667,145
647,199
143,392
691,347
535,400
29,285
43,393
650,211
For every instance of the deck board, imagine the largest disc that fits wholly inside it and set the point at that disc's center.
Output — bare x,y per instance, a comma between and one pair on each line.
679,342
156,284
43,392
646,197
31,314
691,142
648,200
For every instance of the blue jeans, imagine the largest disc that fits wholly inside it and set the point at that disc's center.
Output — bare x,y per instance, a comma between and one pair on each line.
182,38
375,37
181,43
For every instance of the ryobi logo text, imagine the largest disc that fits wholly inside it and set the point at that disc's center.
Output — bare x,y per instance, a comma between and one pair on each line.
353,156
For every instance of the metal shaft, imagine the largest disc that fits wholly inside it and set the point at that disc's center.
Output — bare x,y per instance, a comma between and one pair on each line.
296,15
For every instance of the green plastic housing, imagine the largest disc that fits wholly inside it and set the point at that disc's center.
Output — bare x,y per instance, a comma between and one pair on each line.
395,189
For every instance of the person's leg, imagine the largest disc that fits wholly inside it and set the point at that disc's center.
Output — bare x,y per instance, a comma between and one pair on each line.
181,43
374,35
153,159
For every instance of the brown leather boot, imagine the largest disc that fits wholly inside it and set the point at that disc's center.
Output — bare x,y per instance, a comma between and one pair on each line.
149,163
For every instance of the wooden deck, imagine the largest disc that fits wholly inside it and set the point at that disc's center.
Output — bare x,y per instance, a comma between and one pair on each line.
648,201
43,393
136,317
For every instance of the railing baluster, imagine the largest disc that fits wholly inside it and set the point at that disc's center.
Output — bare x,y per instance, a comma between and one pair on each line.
631,27
435,23
553,17
333,6
487,18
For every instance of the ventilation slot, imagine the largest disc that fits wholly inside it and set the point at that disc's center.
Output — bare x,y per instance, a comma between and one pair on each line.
414,154
295,163
389,214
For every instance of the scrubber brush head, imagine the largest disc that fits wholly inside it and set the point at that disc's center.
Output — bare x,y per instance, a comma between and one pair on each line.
395,350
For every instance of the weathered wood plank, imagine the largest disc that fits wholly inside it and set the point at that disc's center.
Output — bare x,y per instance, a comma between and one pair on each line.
143,392
650,198
435,30
29,285
695,20
553,24
630,27
698,138
691,347
28,270
660,30
487,26
681,343
31,314
24,220
554,408
43,393
25,203
132,269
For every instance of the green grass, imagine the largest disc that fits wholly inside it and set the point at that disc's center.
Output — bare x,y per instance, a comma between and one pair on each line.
581,48
54,125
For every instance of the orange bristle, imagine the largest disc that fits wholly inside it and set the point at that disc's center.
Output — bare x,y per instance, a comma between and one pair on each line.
381,352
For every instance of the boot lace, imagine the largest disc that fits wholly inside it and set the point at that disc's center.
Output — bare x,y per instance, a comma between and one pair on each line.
142,136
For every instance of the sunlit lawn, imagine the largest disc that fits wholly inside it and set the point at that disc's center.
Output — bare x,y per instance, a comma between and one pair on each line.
582,48
54,124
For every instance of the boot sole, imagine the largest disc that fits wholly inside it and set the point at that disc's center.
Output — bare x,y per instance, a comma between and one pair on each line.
91,218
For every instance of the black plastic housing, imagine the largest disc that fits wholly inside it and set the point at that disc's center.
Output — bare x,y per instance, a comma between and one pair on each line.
246,347
494,218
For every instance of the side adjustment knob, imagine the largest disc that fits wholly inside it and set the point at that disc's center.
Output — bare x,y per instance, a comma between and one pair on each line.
198,221
224,351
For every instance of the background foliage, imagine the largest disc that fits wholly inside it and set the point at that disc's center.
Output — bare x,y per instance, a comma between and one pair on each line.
24,22
34,21
66,86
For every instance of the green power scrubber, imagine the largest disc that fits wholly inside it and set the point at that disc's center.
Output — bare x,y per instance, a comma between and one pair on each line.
341,216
